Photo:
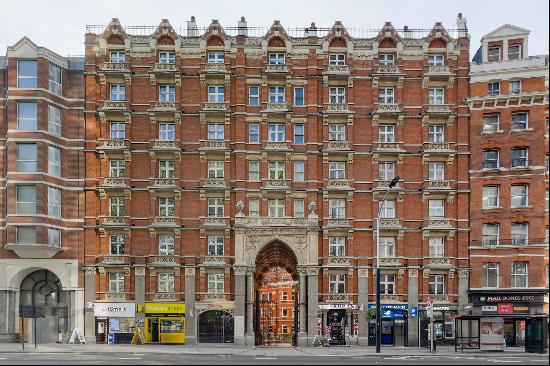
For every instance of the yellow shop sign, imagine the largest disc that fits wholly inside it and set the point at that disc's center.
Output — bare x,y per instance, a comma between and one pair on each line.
164,308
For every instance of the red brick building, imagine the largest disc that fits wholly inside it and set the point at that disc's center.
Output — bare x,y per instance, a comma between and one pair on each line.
509,180
42,210
213,155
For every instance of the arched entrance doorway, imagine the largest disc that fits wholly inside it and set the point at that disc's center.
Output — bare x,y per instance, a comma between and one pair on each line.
276,296
43,288
216,326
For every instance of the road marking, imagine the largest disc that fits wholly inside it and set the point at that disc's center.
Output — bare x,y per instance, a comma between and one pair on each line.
129,358
265,358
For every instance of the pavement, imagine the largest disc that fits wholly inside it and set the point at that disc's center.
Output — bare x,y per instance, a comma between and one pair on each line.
216,349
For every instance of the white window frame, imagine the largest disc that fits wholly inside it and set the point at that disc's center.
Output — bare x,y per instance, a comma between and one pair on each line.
524,159
387,247
276,132
493,88
25,78
167,131
436,284
216,169
491,197
386,58
55,77
166,244
523,123
25,207
337,95
337,246
517,277
117,168
216,57
337,283
27,123
29,231
276,58
116,206
492,123
216,283
216,245
437,171
386,133
167,206
521,197
254,170
490,238
167,93
384,173
117,92
116,244
491,163
54,120
386,95
166,169
299,101
520,238
27,165
387,280
337,132
254,207
486,268
117,56
436,133
117,130
276,207
54,237
216,94
388,209
276,94
517,82
337,59
436,247
216,207
337,208
337,170
299,133
299,170
54,164
436,96
165,282
276,169
253,132
167,57
436,60
490,57
299,210
511,56
253,98
436,209
116,282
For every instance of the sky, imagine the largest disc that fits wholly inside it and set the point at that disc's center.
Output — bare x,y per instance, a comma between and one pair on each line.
60,24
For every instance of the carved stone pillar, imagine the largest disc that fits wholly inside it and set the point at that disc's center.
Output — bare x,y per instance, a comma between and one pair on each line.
312,302
89,297
249,335
302,312
190,313
363,302
240,291
413,302
463,279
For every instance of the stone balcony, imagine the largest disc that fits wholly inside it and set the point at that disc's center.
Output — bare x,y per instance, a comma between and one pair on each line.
338,184
337,108
337,223
163,260
165,68
34,250
390,224
165,145
115,67
277,146
438,109
277,69
337,146
275,221
439,262
212,297
164,182
213,221
113,259
214,260
438,298
387,70
383,185
164,296
388,147
387,109
275,107
442,224
115,220
438,72
276,184
163,106
438,148
114,144
338,298
214,183
390,261
338,261
438,185
213,145
115,105
115,296
386,298
215,107
114,182
214,68
165,221
337,70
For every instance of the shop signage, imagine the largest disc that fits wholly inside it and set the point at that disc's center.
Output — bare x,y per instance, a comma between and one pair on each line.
115,309
394,311
414,312
164,308
338,306
508,298
489,308
521,309
505,308
441,308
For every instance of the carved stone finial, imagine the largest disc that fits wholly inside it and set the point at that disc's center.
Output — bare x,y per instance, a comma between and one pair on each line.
240,208
312,207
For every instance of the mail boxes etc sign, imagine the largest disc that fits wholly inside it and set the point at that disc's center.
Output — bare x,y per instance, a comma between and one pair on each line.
115,309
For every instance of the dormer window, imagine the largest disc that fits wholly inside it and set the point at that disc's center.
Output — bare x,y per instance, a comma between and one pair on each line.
337,59
117,56
386,59
436,60
167,57
514,52
494,54
216,57
276,58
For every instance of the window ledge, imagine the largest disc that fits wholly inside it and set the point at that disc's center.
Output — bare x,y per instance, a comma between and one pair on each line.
491,208
491,132
523,130
520,207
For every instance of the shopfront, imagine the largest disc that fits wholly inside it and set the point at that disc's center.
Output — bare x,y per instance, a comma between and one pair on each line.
337,323
114,321
164,323
444,325
514,308
394,325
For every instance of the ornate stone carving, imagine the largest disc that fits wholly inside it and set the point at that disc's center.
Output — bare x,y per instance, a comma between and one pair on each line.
413,272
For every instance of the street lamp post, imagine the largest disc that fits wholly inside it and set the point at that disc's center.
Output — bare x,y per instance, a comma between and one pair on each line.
378,310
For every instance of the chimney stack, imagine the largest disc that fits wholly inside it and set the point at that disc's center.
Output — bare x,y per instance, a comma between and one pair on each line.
243,27
192,29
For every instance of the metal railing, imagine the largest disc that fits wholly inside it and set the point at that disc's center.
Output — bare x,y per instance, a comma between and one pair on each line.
508,242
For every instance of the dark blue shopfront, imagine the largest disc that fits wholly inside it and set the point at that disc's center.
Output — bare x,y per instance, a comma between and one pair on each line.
394,325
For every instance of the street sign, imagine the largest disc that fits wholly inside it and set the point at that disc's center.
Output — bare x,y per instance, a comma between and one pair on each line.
414,312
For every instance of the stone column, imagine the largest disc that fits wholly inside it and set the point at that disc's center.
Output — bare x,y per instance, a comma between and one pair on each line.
363,302
190,313
139,292
505,50
89,297
302,312
349,315
240,290
463,287
249,335
413,302
8,332
312,302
